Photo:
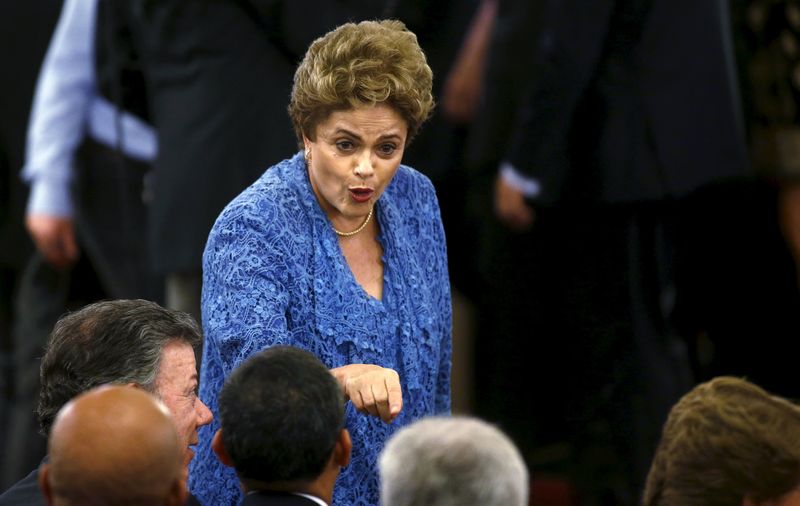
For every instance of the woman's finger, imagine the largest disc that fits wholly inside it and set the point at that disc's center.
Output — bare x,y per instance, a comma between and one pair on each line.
395,395
381,402
368,401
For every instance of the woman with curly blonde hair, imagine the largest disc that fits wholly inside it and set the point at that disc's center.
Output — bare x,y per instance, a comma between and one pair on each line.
339,250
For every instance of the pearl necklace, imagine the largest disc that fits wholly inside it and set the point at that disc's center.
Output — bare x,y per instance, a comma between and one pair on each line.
359,229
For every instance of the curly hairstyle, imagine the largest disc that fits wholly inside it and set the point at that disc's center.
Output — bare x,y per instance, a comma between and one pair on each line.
368,63
725,440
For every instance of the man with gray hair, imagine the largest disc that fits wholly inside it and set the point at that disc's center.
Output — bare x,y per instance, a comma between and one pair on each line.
456,461
122,342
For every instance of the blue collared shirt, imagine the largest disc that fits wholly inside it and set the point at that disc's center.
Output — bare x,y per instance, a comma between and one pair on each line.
66,106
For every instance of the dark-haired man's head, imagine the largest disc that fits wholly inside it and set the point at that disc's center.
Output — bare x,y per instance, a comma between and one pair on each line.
125,342
282,423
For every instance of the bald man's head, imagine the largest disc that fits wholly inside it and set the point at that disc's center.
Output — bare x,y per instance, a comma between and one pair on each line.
114,445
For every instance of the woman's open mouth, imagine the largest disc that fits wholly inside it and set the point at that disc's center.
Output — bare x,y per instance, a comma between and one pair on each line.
361,195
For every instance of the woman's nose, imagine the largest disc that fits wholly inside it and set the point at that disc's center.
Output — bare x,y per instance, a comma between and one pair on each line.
364,166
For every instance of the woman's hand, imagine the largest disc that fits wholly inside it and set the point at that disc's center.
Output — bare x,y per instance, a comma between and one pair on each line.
372,389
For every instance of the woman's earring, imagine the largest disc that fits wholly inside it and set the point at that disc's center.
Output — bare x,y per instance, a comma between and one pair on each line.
308,156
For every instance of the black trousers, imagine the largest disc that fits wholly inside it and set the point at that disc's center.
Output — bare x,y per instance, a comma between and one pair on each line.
577,357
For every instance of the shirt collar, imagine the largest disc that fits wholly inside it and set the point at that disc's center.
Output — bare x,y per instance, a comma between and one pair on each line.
312,498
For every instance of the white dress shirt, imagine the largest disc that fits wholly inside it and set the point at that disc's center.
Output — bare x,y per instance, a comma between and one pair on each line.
67,106
529,187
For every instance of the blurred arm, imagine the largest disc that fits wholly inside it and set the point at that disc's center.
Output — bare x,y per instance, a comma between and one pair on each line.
57,125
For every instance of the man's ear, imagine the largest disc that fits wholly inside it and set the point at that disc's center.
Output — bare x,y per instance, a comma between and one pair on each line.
342,449
219,449
179,493
44,483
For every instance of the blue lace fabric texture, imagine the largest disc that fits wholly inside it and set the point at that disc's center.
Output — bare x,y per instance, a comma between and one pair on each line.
274,275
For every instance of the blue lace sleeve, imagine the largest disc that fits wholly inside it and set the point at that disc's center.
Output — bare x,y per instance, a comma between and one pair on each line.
244,294
245,300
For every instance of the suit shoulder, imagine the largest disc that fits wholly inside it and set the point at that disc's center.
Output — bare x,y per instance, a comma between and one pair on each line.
24,493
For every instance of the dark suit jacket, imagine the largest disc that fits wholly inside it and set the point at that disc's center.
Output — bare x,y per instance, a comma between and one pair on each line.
220,75
24,493
633,100
276,499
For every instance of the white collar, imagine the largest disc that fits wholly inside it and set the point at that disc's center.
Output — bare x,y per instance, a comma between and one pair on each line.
311,497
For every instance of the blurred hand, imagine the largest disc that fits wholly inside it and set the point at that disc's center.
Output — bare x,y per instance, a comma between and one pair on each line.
511,208
461,91
54,237
372,389
463,86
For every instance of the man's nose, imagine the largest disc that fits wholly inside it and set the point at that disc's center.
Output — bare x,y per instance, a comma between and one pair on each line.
204,415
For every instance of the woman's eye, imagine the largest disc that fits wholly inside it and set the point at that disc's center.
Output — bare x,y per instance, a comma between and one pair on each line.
387,149
345,145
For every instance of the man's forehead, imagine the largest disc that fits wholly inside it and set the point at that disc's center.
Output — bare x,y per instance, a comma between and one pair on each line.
178,364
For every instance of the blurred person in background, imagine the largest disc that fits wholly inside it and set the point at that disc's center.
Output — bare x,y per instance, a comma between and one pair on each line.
625,108
85,162
24,33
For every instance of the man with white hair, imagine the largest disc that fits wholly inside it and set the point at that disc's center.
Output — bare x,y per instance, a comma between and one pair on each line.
456,461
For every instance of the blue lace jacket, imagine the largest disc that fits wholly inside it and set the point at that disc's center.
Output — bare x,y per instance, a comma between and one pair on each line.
274,274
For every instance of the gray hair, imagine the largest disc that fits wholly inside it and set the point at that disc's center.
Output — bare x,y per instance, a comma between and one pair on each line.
118,342
456,461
